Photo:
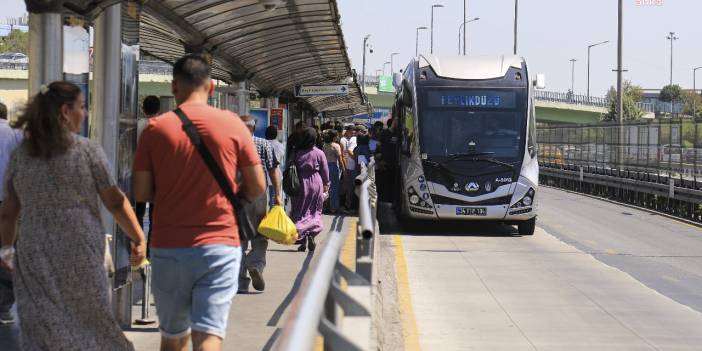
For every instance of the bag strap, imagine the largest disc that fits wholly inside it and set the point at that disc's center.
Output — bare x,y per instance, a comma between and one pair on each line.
216,171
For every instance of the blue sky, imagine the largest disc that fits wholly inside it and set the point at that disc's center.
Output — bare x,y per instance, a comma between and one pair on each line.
551,33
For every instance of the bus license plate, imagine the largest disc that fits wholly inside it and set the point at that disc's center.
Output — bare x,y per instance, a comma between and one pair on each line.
471,211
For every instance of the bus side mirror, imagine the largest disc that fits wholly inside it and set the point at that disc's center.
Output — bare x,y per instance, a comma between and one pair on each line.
540,81
397,81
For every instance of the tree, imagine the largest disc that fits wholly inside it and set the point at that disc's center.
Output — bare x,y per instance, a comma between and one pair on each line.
15,41
687,98
670,93
632,95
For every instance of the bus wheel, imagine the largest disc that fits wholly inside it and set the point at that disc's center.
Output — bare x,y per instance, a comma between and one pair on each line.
527,227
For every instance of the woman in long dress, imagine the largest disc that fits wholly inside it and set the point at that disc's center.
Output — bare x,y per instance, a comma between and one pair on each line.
314,173
54,179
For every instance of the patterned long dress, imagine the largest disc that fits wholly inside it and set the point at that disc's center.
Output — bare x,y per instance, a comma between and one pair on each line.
60,281
307,207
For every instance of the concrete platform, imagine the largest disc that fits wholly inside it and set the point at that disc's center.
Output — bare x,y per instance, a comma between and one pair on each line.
255,318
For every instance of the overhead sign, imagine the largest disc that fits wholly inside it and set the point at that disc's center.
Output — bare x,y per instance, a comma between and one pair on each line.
322,90
385,84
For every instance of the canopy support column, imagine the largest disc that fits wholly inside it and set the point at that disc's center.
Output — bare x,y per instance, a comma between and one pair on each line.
45,49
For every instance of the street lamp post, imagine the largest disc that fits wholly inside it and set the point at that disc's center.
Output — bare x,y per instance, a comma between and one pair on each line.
694,91
392,69
431,50
384,64
588,64
516,18
572,76
464,31
416,43
363,70
672,38
463,25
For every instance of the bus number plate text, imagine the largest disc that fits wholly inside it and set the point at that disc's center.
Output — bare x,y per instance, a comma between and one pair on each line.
471,211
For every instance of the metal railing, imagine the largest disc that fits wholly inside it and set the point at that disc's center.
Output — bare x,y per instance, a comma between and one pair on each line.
656,164
569,98
341,316
575,99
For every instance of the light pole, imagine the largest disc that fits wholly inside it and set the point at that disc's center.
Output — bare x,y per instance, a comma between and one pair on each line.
572,76
694,91
463,25
672,38
392,69
588,64
431,50
620,81
516,20
416,43
464,32
384,64
363,70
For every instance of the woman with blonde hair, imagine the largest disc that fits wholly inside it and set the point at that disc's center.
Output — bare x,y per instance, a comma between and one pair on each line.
53,180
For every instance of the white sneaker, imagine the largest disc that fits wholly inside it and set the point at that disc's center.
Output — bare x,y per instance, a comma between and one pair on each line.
6,318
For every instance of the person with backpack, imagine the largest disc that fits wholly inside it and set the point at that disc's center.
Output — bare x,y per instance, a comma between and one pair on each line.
187,162
311,168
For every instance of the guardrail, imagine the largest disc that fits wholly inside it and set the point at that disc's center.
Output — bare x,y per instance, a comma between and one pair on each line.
575,99
342,317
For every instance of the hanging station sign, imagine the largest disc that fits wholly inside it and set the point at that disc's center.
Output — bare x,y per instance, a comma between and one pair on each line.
321,90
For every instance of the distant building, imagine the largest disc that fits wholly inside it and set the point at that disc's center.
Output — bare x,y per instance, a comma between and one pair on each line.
9,24
662,107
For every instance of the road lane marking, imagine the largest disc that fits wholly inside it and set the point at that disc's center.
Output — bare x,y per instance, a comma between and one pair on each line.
409,323
347,257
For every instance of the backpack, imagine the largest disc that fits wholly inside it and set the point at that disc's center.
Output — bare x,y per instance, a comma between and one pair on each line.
292,182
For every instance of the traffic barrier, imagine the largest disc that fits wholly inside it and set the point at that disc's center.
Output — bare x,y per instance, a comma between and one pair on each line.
342,317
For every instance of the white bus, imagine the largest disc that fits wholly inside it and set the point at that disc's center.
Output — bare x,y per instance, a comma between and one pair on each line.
466,140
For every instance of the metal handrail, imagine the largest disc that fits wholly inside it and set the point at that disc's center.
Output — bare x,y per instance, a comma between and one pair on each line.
315,308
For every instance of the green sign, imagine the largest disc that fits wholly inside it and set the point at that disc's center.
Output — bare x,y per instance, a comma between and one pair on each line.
385,84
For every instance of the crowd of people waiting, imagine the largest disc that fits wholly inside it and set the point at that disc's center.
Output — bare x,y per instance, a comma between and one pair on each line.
55,180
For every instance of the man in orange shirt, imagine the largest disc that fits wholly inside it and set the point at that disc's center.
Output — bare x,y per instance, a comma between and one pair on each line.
195,246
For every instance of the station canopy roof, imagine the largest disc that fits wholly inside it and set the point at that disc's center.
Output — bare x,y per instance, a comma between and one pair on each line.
298,42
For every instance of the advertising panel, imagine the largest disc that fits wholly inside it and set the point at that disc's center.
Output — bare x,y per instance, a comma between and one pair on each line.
260,115
385,84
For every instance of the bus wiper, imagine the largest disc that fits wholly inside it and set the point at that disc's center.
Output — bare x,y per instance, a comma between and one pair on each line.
469,155
476,156
441,168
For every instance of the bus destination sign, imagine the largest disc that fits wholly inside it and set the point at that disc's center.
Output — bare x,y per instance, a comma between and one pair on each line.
473,98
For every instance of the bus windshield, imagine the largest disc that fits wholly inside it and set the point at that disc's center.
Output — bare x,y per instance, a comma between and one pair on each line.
473,122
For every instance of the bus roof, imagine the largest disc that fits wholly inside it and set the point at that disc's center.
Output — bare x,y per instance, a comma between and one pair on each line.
470,67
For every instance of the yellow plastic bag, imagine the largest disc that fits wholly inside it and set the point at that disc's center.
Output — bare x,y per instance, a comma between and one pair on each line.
278,227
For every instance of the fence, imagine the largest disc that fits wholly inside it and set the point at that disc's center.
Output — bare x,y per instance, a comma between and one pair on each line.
569,98
656,164
342,317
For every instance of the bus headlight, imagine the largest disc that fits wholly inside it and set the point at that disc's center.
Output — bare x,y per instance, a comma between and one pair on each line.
414,199
527,200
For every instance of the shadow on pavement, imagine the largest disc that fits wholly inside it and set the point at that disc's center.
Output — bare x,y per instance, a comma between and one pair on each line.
293,291
390,225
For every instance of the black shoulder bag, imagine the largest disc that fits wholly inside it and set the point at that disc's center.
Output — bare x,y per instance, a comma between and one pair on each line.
292,184
246,229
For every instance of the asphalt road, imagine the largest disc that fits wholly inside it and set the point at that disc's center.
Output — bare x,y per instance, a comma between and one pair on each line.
662,253
595,276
